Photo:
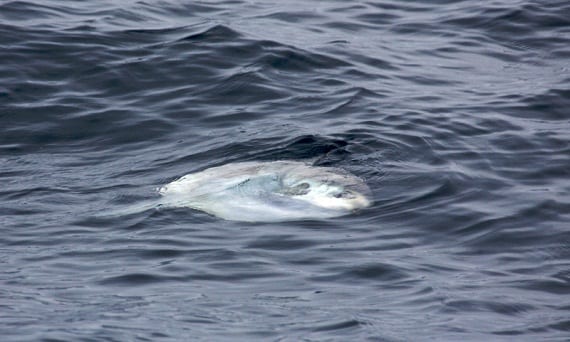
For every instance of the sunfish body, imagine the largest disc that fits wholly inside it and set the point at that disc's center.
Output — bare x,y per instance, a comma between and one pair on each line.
269,192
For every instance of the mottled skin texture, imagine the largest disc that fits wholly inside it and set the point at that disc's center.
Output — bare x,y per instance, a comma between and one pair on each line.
269,191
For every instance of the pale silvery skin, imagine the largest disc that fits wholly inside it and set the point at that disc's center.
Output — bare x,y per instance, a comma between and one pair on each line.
269,192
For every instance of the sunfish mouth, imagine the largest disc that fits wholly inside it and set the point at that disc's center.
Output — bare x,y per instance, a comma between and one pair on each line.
269,192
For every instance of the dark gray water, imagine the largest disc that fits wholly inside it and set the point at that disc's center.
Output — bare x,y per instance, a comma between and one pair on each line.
456,113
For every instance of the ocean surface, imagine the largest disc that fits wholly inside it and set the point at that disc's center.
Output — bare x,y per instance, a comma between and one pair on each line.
455,113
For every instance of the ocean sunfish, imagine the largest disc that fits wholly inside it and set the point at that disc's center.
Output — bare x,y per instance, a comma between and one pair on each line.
269,192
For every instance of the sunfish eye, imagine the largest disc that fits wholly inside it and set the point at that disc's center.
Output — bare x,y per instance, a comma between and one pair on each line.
344,194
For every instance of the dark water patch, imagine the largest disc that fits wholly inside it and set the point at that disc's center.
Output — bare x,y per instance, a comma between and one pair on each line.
307,148
547,106
338,326
82,131
287,59
215,34
520,19
240,89
375,273
381,272
552,286
134,280
23,11
482,306
563,325
351,104
284,243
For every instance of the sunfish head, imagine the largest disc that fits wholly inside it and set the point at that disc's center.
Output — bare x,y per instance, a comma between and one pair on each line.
328,188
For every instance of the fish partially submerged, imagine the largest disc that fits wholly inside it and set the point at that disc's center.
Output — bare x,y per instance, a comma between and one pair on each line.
269,192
